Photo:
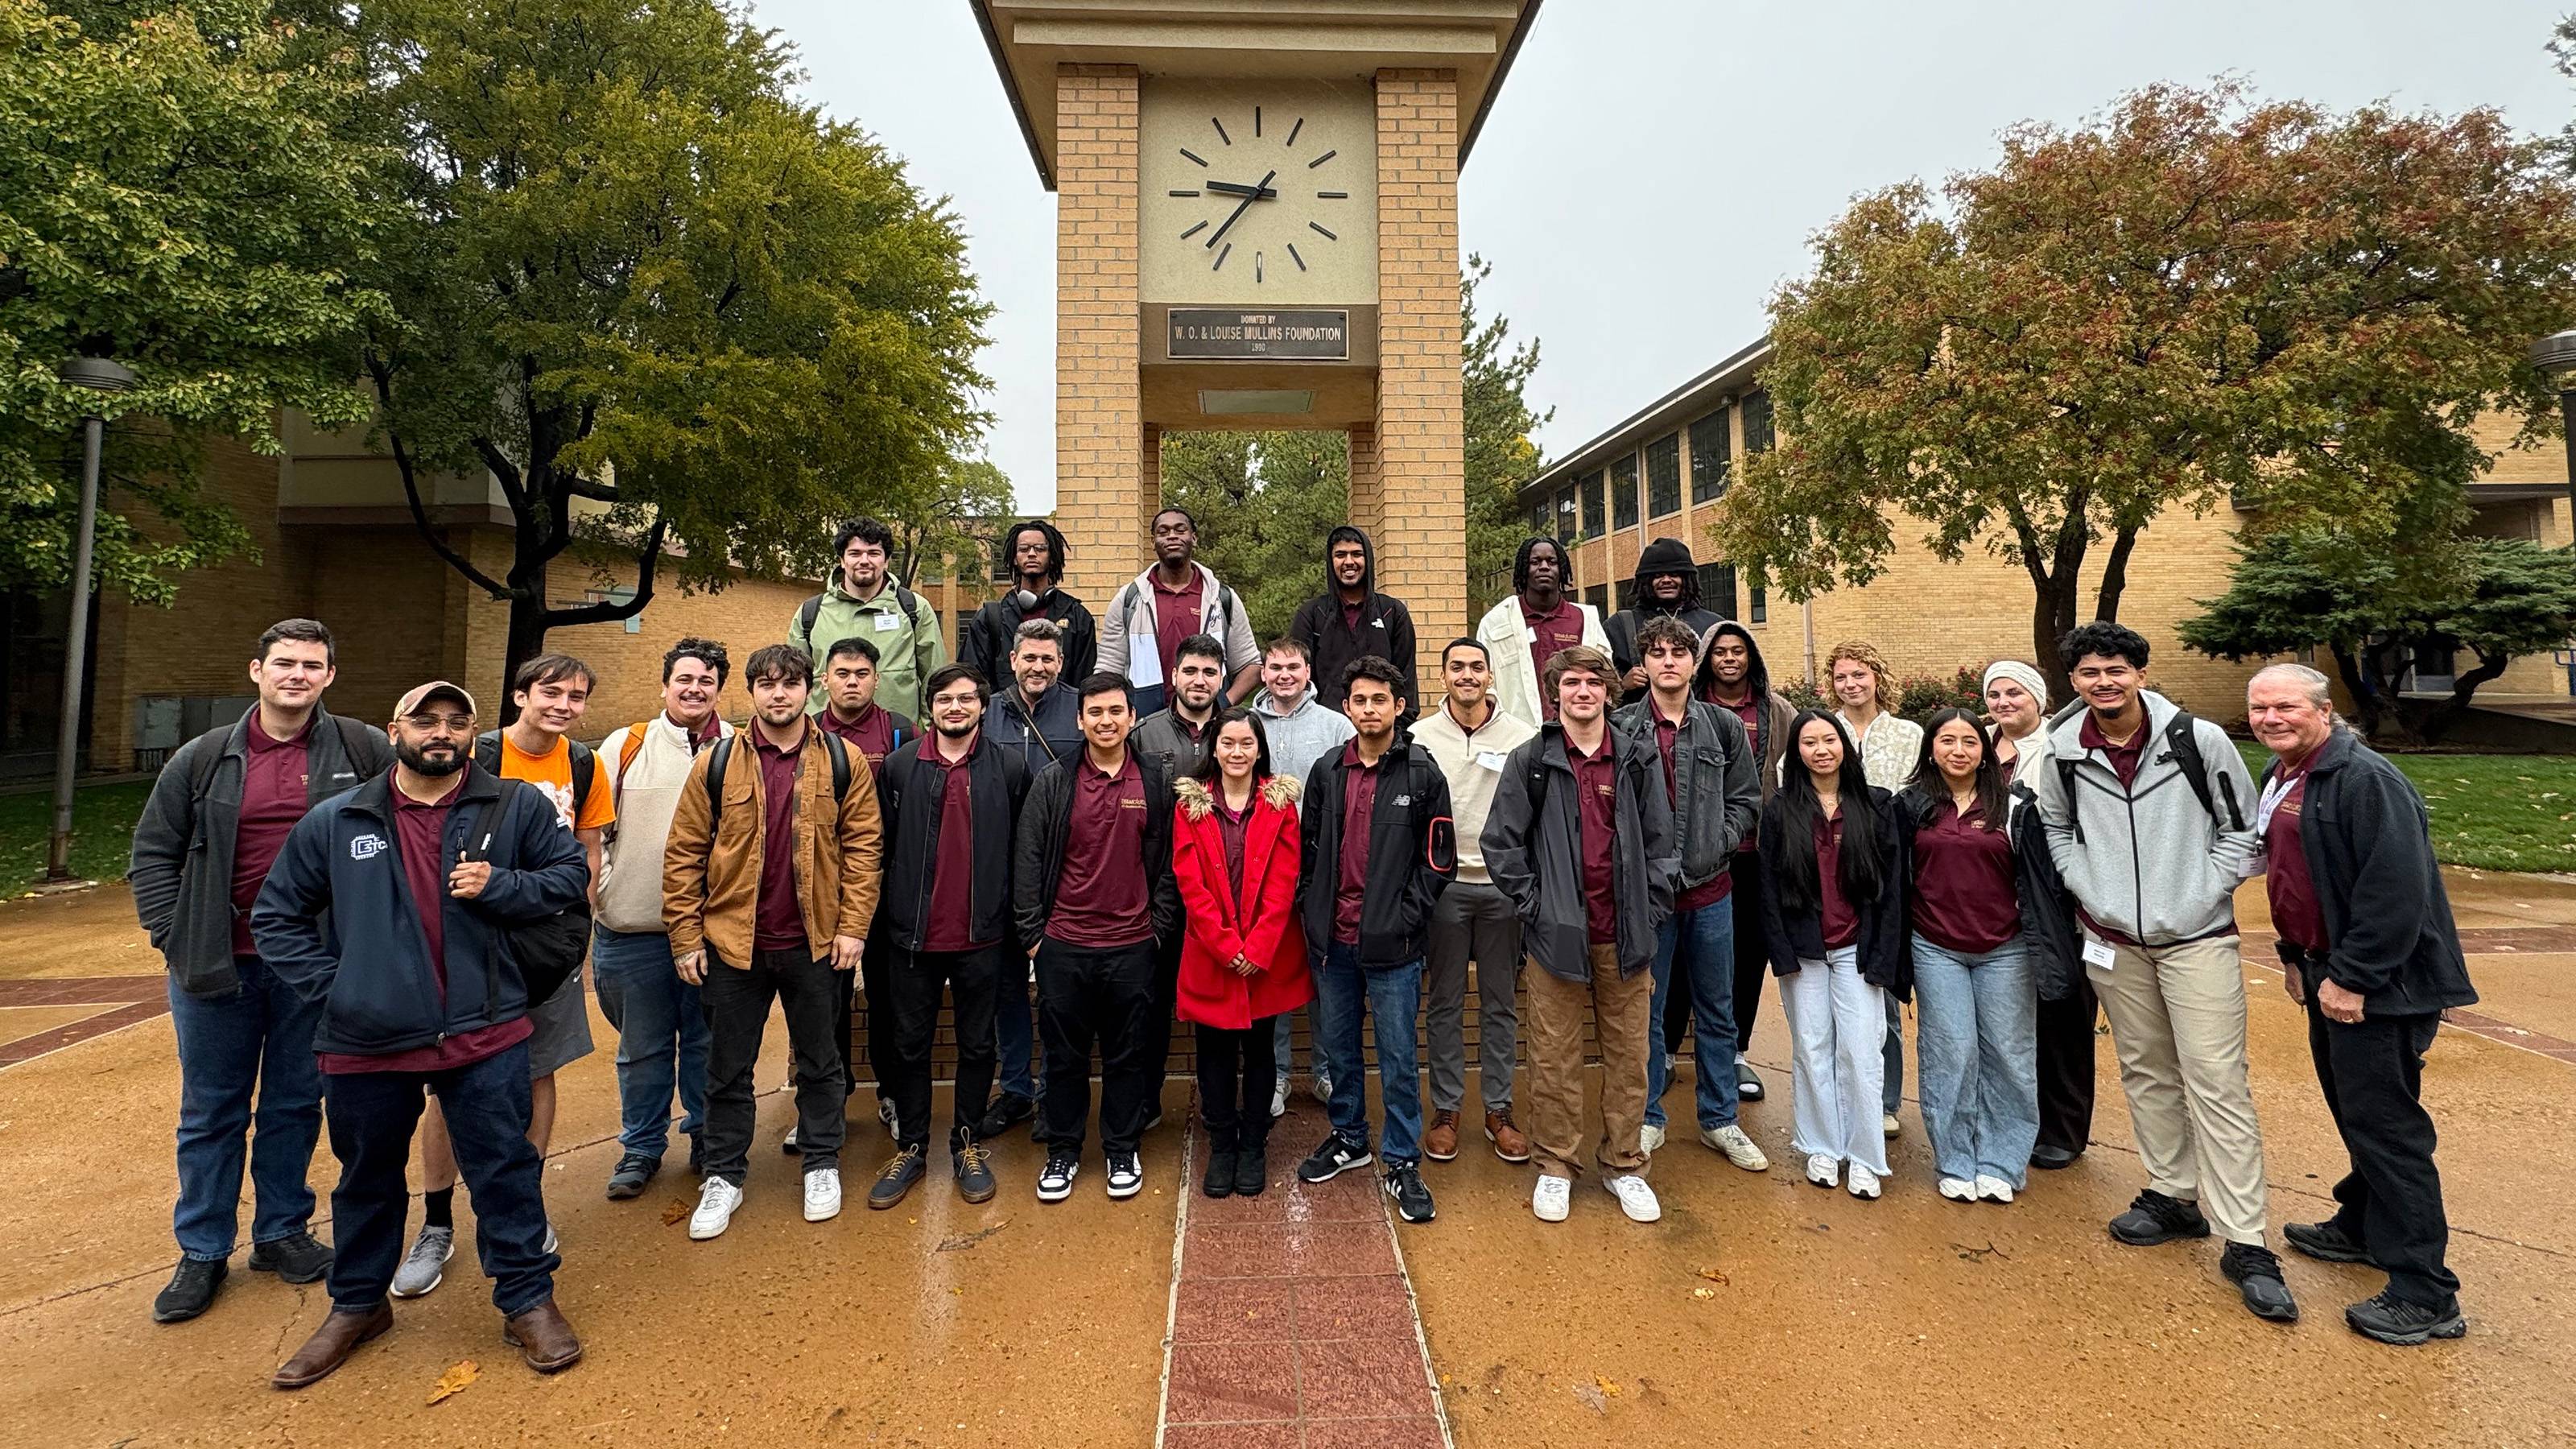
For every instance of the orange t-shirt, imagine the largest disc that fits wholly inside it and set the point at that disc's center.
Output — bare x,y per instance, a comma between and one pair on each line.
552,773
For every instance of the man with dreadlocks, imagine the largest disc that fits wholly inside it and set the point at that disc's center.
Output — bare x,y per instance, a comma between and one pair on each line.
1032,557
1666,586
1541,617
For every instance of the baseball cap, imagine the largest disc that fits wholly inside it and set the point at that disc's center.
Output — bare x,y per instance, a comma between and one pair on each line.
422,694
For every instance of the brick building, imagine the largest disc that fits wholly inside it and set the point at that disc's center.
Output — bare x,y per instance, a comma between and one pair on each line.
1664,471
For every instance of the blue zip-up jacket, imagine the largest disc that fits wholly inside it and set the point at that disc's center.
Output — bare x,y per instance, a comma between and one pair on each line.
368,964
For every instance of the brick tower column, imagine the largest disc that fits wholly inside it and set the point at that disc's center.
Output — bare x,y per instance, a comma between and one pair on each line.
1101,452
1420,434
1368,488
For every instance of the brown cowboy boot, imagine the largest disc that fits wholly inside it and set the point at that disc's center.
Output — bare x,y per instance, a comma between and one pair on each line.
543,1338
331,1345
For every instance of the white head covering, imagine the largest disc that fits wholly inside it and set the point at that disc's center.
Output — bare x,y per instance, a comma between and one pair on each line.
2019,673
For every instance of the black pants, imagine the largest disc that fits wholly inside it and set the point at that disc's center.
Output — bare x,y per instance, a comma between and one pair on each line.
1236,1072
1105,996
2372,1071
913,982
2066,1067
1167,989
871,979
373,1116
809,994
1752,957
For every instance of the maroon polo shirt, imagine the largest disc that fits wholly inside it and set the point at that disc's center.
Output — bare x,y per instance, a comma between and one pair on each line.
1231,827
777,922
1176,616
1964,896
1596,790
1351,615
871,734
1840,922
1557,628
952,874
273,798
2287,882
2124,758
1668,733
1359,811
1102,900
1750,712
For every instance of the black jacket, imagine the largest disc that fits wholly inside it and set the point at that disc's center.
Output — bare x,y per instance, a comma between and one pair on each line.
368,964
2369,845
1659,557
986,648
2048,933
1385,629
1412,854
1715,796
1046,818
1040,737
1885,958
181,871
911,795
1534,850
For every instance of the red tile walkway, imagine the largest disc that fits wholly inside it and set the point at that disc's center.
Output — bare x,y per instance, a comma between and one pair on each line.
122,1001
1292,1322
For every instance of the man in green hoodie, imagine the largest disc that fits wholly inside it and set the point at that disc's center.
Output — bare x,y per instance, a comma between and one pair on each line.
861,598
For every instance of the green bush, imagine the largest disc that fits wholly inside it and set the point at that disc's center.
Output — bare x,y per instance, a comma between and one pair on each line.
1802,694
1919,696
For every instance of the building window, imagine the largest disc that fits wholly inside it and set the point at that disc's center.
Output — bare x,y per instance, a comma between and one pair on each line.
1624,594
1595,521
1541,509
1717,589
1567,529
1757,422
1002,565
1664,475
1760,611
1598,596
1623,492
1711,451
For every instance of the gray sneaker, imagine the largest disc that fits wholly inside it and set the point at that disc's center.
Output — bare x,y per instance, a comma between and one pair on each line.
426,1264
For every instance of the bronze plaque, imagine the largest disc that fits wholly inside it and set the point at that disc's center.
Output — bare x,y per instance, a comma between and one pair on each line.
1312,334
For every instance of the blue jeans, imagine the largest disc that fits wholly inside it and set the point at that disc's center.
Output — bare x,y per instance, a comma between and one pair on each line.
1392,999
257,1041
1699,947
1015,1023
1976,1034
661,1037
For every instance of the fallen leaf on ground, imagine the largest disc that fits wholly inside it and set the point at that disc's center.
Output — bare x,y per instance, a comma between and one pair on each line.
1703,1293
674,1210
453,1382
1591,1398
1606,1387
1713,1275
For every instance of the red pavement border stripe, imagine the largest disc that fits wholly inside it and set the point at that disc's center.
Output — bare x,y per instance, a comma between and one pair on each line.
44,1043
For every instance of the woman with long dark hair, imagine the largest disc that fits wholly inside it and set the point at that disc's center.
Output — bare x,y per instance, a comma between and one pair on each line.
1243,957
1977,1041
1833,913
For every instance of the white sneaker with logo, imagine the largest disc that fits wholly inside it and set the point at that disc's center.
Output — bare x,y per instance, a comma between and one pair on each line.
1636,1199
716,1202
822,1194
1553,1199
1823,1171
1863,1183
1739,1149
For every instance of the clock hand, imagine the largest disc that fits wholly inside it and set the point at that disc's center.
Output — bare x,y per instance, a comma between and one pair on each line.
1237,214
1231,188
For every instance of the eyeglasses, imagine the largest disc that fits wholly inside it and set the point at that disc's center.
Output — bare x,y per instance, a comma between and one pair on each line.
460,723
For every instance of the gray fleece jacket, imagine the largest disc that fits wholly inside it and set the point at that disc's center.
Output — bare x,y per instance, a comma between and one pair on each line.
1301,736
2146,860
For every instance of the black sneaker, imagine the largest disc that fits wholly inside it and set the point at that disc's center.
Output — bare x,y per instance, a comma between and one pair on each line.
1412,1200
296,1258
2325,1242
2155,1218
1219,1181
2050,1158
1007,1111
898,1176
698,1154
1251,1169
1126,1176
1331,1160
2257,1275
972,1161
634,1170
2403,1322
1055,1180
191,1290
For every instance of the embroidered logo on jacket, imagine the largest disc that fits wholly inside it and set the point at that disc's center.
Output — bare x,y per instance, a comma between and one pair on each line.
366,847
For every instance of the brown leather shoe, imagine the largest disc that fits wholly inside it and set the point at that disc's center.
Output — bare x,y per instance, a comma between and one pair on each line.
331,1345
1440,1144
1510,1143
543,1338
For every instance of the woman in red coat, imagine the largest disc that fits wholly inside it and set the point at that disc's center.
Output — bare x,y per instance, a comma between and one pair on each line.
1243,957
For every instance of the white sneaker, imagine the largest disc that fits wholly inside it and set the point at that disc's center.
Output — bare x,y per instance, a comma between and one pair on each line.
1739,1149
1864,1183
822,1194
1323,1086
716,1202
1553,1199
425,1266
1279,1101
1993,1188
1958,1189
1636,1199
1823,1171
1651,1138
1888,1124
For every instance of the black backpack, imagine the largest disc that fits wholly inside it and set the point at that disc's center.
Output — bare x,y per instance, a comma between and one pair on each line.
585,765
2183,748
904,599
201,769
720,754
548,951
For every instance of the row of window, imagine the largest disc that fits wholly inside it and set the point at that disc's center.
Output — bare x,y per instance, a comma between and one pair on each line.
1591,504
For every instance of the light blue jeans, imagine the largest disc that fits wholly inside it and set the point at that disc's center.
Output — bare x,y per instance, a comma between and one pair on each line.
661,1037
1697,948
1976,1037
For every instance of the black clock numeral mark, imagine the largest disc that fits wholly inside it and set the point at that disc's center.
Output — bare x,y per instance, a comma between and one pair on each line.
1256,268
1319,226
1184,193
1320,160
1220,130
1293,130
1256,122
1221,256
1194,231
1193,155
1292,256
1321,195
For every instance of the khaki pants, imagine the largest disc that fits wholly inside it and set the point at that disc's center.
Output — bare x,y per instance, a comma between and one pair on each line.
1552,1030
2178,1022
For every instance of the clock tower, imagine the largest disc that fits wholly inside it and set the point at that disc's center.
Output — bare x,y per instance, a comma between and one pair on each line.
1257,228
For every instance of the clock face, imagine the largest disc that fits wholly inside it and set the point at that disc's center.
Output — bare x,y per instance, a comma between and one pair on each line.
1259,197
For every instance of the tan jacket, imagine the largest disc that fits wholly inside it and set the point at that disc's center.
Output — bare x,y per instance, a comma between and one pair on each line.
710,891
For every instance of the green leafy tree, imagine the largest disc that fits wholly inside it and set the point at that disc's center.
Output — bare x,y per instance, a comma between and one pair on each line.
952,536
179,190
654,298
2373,608
2193,300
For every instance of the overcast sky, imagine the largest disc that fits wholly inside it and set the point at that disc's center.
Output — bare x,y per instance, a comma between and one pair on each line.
1654,167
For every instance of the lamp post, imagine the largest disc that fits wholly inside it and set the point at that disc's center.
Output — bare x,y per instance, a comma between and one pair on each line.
2555,354
98,375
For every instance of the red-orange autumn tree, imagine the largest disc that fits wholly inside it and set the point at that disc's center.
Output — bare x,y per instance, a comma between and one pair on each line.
2192,297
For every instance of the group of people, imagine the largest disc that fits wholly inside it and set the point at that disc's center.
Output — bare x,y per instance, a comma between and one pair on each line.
1088,829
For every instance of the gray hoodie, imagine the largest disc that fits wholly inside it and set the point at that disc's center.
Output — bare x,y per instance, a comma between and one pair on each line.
2146,861
1301,736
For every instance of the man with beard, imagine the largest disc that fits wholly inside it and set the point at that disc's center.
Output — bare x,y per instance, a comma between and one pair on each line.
421,874
1733,677
1351,620
1038,719
850,682
1666,586
1178,733
1032,557
1140,638
1523,632
861,600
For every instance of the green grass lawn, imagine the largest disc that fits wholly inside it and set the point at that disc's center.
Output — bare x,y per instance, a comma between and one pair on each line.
2491,812
103,819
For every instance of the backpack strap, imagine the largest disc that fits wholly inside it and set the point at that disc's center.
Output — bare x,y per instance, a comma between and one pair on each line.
2182,743
718,756
585,773
626,754
353,735
2066,787
487,752
805,618
840,756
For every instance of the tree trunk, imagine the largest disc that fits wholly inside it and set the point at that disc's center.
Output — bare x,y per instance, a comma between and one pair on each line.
2052,615
530,618
2115,575
2434,720
2368,706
